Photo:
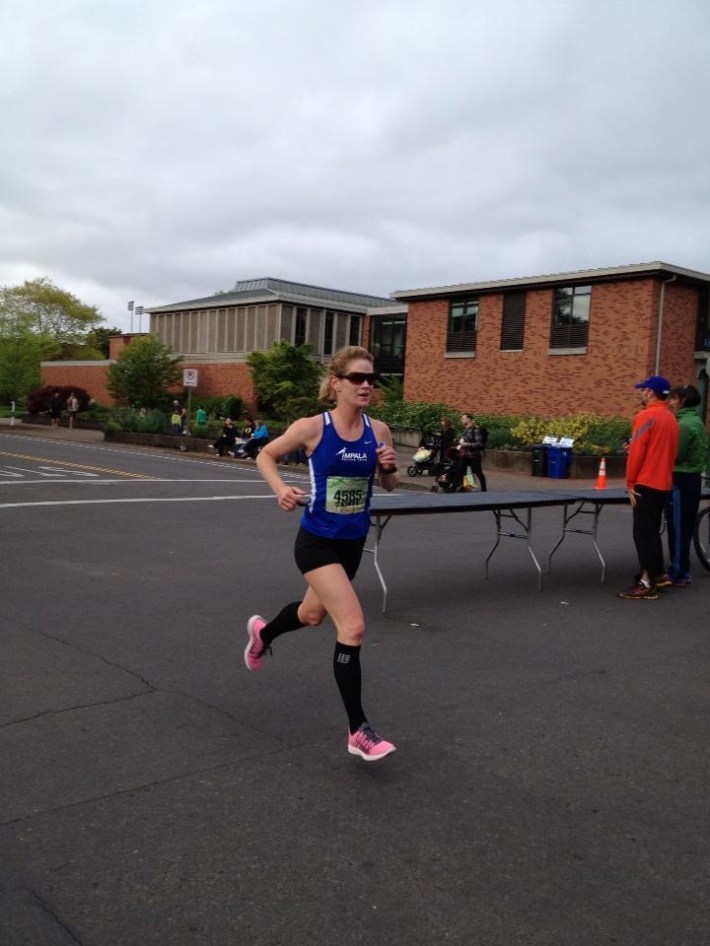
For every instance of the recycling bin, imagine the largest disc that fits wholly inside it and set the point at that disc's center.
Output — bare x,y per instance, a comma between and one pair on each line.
559,461
539,459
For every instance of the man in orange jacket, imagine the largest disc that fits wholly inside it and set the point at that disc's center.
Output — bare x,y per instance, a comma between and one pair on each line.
649,478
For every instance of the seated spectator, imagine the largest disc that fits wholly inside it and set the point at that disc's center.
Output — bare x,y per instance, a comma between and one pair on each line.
226,440
258,439
297,457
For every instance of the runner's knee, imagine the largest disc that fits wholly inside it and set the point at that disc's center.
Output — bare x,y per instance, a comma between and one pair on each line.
310,616
351,632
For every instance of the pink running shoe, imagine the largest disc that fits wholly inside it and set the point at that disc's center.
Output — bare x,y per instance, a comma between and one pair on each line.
366,743
255,650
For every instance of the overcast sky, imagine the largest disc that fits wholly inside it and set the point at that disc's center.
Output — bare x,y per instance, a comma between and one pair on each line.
160,150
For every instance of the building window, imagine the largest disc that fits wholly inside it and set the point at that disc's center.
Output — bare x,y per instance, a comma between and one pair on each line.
463,326
355,322
570,317
328,333
387,344
299,335
512,332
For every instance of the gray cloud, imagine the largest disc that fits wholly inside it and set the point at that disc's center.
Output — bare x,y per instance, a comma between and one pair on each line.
160,150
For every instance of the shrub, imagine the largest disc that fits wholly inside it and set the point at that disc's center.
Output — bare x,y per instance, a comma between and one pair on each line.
593,434
129,419
297,407
233,406
152,422
38,401
500,438
98,411
419,415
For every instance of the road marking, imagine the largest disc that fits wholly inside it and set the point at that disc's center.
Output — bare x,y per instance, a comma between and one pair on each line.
52,473
74,466
157,499
24,481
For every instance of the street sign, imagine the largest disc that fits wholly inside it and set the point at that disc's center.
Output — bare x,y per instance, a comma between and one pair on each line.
189,377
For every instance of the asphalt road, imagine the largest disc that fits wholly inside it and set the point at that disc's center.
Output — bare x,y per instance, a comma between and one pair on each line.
550,786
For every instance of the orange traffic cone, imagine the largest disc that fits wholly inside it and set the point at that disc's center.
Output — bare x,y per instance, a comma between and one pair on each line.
601,477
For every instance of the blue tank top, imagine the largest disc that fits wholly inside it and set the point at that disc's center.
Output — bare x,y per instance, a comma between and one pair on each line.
342,472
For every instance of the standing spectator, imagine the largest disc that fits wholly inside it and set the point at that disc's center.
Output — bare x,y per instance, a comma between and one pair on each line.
55,409
471,447
691,462
447,438
72,408
177,418
649,477
258,439
200,416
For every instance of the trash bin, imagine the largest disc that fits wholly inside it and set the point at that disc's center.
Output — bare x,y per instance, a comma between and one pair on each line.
539,459
559,460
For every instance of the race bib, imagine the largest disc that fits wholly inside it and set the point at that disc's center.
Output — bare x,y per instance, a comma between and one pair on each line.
346,495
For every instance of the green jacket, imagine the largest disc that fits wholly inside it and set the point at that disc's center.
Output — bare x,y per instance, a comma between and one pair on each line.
693,444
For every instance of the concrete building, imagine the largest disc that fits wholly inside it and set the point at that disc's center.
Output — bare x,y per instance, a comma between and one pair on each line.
215,334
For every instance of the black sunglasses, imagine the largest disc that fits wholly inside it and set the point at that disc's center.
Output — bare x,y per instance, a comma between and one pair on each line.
360,377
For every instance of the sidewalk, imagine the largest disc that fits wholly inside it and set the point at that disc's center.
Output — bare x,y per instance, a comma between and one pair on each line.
55,433
497,480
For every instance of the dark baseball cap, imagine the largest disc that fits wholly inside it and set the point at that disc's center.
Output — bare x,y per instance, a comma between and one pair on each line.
657,384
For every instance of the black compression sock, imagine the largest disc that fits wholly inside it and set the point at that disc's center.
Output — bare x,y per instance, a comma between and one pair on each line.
286,620
346,666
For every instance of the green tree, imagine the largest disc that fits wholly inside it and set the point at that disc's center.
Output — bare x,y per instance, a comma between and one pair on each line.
283,373
21,354
144,373
49,312
99,338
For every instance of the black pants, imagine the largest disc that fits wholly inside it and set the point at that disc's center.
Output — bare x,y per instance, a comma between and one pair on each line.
472,463
224,444
648,516
254,445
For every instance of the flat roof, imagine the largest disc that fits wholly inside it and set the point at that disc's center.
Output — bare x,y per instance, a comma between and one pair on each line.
268,289
577,276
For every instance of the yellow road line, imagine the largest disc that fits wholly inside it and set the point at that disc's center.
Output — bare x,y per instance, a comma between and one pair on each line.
76,466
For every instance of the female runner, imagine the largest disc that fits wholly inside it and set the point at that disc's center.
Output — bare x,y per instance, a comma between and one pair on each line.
345,449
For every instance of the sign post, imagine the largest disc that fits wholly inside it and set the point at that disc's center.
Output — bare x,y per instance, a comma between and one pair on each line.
190,377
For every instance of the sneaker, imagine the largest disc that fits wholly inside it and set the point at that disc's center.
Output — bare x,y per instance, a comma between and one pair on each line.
366,743
638,591
682,582
255,650
663,581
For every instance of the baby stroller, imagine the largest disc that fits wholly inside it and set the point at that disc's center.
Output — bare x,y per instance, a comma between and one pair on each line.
425,459
446,472
446,479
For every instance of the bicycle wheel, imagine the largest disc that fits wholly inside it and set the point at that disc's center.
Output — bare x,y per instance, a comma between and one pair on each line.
701,537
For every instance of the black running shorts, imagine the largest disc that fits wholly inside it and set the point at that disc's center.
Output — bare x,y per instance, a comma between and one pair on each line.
312,551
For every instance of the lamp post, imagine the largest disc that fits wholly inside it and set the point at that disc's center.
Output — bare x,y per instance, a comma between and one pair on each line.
130,309
139,313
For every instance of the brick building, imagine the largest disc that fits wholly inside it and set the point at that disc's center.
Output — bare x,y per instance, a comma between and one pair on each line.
560,343
545,344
